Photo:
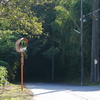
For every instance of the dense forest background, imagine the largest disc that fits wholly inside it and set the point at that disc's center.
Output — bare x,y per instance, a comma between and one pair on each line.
54,48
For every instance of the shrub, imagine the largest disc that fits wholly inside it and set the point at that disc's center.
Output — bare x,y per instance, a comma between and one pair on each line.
3,76
3,63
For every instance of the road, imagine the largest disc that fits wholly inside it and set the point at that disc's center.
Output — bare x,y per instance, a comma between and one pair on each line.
60,91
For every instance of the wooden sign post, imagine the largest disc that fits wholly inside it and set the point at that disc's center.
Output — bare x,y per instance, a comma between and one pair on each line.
21,46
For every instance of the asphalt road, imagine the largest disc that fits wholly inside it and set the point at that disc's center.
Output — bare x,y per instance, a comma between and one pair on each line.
59,91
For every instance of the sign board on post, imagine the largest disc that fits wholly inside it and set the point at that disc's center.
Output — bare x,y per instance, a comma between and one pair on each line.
21,46
95,61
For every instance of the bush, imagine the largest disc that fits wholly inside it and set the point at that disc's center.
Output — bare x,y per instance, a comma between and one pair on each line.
3,76
3,63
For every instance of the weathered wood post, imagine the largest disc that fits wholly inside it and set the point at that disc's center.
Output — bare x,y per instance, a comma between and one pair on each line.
21,46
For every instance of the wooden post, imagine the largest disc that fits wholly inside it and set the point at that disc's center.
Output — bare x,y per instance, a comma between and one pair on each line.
22,64
21,51
95,45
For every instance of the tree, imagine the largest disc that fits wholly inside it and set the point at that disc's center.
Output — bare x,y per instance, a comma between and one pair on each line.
16,20
20,17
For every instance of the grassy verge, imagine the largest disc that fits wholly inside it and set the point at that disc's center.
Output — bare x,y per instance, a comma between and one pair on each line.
78,82
13,92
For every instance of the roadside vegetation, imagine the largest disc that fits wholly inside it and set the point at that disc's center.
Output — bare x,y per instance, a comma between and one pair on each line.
13,92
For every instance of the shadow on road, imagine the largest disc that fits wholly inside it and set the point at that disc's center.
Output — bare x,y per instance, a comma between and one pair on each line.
53,87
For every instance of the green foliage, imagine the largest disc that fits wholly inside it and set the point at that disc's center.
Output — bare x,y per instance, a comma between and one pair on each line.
18,17
3,76
56,26
8,55
17,20
3,63
50,52
7,45
49,26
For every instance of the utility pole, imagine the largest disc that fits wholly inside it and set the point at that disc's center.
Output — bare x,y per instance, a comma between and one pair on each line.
53,60
95,45
82,51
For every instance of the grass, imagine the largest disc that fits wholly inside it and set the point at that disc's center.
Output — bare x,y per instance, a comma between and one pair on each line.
76,81
93,84
13,92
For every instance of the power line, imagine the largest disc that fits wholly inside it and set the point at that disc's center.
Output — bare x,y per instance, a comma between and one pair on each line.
74,21
91,12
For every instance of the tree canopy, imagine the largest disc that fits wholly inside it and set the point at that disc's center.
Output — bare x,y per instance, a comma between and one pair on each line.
50,26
